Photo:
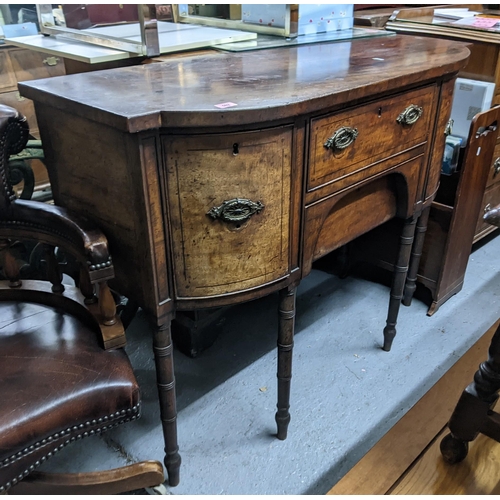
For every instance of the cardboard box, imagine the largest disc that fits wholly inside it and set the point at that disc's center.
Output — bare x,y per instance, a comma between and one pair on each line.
322,18
470,98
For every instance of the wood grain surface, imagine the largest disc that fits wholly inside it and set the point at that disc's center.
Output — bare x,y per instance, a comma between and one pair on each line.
281,85
478,474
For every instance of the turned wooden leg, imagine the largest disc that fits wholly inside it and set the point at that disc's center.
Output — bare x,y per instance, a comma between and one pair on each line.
163,351
285,347
398,281
416,253
473,413
487,379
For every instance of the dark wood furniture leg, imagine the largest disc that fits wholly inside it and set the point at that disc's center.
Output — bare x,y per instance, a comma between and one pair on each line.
285,348
473,414
398,281
163,351
416,253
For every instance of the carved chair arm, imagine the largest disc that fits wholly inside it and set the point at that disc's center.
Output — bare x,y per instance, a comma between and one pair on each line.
46,223
53,227
56,227
59,227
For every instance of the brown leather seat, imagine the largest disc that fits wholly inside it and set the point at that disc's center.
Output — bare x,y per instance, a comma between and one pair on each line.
58,385
63,374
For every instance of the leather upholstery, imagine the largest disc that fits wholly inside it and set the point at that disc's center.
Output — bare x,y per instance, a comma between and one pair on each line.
56,385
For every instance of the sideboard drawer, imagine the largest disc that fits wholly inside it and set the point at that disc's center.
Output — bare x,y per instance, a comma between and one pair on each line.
494,175
339,218
346,143
491,199
214,183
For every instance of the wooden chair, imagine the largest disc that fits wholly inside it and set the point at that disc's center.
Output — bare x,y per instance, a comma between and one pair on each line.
474,413
63,374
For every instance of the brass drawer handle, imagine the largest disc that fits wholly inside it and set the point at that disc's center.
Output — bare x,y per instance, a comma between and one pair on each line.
496,167
342,138
51,61
449,127
410,115
236,210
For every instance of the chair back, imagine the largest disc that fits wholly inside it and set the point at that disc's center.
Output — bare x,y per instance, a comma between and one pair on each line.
14,133
53,230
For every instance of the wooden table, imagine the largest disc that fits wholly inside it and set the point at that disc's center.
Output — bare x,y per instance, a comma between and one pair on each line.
220,178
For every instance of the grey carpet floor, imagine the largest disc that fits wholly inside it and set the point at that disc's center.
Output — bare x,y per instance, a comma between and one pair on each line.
346,392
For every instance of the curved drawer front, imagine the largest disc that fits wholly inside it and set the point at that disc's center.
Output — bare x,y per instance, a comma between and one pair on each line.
345,143
229,203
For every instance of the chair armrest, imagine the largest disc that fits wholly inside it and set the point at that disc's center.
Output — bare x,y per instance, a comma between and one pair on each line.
57,226
42,222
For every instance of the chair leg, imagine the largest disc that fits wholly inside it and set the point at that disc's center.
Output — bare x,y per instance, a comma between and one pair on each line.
473,414
110,482
398,281
487,379
163,351
285,348
416,253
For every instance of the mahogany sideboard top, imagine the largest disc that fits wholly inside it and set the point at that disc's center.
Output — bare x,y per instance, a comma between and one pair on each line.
266,85
220,178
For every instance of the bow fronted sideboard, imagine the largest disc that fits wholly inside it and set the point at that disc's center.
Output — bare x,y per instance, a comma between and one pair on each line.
221,178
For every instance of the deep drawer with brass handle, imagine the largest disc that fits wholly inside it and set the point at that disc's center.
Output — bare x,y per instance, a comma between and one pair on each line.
344,143
229,202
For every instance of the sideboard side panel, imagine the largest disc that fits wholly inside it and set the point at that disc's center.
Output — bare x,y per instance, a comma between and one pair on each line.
150,159
96,170
437,145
